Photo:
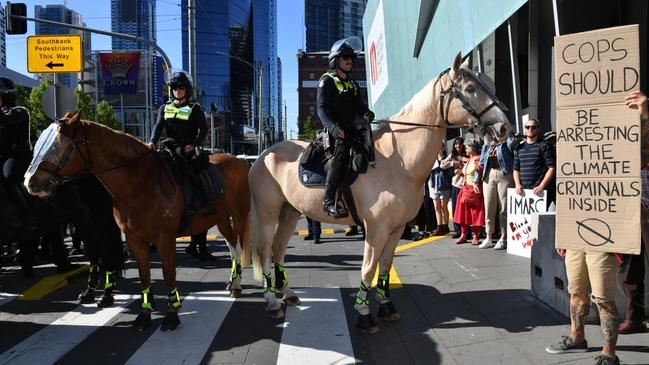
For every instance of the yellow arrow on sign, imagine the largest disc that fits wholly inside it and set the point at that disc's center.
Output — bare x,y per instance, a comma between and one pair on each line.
54,53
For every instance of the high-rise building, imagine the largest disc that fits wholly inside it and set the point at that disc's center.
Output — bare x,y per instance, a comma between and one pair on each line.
133,17
232,38
62,14
3,39
280,103
327,21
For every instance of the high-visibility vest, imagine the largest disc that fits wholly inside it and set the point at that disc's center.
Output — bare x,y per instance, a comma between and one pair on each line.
182,113
341,85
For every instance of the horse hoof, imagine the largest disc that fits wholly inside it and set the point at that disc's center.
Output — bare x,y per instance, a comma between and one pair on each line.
292,301
170,322
142,322
276,313
388,312
366,324
87,297
235,293
105,301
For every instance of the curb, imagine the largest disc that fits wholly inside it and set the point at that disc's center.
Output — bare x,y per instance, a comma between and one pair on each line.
50,284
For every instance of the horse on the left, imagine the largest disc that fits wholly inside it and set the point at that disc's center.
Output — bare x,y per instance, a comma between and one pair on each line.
149,204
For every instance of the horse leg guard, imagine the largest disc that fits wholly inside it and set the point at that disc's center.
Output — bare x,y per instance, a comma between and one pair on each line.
387,311
94,277
107,298
143,320
172,320
273,307
234,285
281,284
364,322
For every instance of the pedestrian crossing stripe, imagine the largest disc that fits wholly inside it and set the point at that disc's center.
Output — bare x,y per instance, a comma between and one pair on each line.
202,316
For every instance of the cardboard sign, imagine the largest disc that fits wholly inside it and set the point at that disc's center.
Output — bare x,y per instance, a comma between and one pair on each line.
519,220
598,141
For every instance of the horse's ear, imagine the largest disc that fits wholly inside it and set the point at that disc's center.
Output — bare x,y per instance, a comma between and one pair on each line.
465,64
456,65
76,117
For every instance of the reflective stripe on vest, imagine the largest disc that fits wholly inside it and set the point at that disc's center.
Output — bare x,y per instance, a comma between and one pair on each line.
182,113
340,84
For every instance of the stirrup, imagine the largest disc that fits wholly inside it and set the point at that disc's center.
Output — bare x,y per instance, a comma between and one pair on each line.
335,210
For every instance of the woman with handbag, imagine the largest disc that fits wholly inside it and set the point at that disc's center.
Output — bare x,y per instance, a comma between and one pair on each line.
470,205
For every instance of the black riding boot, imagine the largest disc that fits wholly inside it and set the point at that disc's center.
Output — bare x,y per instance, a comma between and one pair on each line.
208,191
334,176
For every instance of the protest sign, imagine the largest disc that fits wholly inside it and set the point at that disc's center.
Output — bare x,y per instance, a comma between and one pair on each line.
598,141
519,220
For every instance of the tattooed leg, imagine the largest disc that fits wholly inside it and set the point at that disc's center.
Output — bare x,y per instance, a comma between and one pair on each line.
579,308
610,320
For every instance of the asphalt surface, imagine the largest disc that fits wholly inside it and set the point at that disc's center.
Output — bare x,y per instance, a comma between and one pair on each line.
458,305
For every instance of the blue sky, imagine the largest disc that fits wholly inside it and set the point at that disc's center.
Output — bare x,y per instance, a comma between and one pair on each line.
96,14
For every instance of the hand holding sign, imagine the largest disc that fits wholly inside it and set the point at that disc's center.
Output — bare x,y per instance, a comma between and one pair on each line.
638,100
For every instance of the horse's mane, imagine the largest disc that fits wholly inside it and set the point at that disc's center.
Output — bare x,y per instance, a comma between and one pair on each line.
420,107
121,141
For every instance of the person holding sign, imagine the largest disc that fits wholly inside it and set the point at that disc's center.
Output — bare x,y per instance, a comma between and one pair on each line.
634,280
534,163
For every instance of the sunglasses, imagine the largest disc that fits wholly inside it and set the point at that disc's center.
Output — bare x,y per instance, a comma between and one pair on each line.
346,58
531,127
179,87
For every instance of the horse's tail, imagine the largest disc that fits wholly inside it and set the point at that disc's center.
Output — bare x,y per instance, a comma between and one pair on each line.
256,259
245,242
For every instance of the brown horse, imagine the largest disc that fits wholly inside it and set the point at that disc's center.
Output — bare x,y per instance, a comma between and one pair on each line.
148,204
386,197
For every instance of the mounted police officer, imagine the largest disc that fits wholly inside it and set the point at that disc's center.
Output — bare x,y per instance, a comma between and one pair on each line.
183,122
15,149
339,105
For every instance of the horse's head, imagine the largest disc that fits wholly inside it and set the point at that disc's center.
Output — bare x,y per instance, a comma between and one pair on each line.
467,97
58,154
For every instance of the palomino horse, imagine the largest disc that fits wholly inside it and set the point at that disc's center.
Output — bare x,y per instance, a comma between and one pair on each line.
148,204
386,197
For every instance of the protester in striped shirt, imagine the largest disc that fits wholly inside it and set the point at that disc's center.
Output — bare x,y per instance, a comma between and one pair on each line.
534,163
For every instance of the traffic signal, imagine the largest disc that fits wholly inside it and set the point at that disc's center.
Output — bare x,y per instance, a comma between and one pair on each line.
15,25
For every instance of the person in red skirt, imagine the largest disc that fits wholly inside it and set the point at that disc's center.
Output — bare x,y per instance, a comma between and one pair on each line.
470,202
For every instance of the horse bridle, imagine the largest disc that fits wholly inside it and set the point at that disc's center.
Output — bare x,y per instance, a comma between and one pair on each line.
453,91
55,176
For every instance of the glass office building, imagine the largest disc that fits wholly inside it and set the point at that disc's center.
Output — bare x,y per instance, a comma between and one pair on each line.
133,17
232,36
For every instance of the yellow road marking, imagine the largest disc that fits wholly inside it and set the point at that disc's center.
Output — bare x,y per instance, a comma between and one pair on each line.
50,284
210,237
417,243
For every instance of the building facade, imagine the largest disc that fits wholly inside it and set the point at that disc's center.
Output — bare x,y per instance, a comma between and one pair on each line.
3,39
62,14
510,40
327,21
311,66
133,17
233,38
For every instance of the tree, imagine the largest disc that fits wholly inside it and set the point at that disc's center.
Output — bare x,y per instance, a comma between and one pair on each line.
23,96
39,120
84,105
308,131
106,116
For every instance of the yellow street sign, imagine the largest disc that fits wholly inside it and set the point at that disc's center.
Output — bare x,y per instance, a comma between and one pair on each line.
54,53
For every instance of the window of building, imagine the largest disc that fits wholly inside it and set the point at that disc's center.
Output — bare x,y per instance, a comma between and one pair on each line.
312,110
311,76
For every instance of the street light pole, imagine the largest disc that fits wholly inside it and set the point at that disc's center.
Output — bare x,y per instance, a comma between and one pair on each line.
261,109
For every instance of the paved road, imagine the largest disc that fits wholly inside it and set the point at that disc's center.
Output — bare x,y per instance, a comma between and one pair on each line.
459,305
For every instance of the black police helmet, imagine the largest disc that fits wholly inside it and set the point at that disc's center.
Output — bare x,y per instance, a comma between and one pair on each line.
8,91
349,47
180,78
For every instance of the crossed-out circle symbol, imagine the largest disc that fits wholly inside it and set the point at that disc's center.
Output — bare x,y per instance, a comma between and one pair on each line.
600,232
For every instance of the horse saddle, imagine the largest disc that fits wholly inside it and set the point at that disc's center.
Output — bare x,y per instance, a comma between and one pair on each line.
315,160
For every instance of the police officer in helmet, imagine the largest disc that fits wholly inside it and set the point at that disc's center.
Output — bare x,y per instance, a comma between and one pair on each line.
15,150
339,105
183,121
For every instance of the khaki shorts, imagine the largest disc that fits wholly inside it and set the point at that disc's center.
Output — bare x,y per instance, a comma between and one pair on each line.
592,272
